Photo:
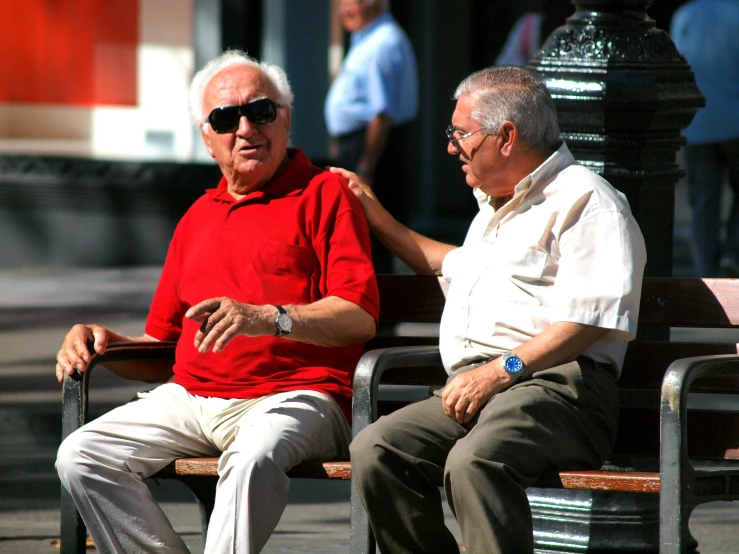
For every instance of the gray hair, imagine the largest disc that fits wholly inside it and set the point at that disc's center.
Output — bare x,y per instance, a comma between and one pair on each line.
232,58
510,93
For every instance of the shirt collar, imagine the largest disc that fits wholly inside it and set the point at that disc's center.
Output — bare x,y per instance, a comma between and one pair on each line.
359,36
538,178
290,182
550,168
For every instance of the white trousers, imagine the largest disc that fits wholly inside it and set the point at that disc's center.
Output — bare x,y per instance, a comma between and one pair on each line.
103,464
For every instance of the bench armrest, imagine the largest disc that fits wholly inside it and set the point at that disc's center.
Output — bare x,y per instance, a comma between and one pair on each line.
677,474
154,365
369,373
676,385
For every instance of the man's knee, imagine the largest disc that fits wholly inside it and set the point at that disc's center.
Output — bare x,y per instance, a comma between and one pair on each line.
363,445
70,458
378,433
458,464
267,458
466,464
370,444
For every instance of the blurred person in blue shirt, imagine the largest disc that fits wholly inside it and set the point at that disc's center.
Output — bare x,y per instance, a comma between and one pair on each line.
706,33
372,97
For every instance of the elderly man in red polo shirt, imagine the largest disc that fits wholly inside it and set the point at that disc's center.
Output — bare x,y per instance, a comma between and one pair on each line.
268,289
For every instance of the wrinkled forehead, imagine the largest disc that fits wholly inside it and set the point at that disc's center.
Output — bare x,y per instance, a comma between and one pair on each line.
237,85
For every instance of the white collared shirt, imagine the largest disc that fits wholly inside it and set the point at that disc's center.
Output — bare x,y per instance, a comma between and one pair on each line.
565,248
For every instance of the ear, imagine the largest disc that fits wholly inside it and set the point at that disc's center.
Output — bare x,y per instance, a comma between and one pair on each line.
206,140
508,137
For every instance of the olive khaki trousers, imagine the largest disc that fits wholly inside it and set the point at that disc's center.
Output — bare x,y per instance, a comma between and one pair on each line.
564,418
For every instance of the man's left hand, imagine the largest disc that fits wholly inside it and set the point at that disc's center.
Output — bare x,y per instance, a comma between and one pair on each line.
223,318
468,392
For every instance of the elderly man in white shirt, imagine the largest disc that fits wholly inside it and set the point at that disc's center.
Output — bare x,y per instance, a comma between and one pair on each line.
543,298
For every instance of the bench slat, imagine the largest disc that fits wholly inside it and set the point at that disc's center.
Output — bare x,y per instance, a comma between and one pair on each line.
638,434
646,362
623,481
690,302
416,298
666,301
587,480
209,467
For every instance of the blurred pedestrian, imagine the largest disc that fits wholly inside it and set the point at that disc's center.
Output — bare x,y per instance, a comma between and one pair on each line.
374,94
528,34
706,32
523,41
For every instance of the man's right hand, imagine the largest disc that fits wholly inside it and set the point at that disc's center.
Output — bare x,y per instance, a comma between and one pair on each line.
74,353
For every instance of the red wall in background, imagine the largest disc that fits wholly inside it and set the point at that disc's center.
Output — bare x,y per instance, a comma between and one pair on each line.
78,52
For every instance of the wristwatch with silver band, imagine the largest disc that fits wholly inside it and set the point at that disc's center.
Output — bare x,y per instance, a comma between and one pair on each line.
513,365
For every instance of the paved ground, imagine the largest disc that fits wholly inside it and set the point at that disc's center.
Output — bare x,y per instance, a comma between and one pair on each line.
38,305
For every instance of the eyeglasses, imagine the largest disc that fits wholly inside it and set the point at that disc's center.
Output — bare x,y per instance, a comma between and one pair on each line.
226,119
455,140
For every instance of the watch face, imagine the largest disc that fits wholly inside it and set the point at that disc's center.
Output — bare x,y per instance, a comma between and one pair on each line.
513,365
285,323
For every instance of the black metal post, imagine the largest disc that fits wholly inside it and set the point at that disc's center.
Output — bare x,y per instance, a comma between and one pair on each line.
623,94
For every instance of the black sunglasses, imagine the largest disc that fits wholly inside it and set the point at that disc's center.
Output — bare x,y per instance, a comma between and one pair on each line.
226,119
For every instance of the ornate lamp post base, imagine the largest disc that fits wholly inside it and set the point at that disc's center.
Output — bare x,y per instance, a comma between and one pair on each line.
623,94
596,522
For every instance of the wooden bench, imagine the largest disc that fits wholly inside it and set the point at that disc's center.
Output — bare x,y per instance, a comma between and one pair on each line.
654,391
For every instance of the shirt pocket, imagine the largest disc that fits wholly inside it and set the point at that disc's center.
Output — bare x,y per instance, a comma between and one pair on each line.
516,276
350,86
280,273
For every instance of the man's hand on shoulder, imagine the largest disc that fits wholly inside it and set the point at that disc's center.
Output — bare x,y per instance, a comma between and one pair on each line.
373,210
223,318
468,392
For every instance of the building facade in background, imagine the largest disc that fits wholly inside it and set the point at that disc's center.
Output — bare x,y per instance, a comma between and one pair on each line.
94,126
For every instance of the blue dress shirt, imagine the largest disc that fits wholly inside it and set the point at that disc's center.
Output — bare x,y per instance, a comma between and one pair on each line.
706,33
379,75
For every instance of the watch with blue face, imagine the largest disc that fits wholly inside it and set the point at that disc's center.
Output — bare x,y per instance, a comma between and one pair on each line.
513,365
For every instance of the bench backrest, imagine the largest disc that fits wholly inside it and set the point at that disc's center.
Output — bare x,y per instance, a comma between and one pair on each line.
703,304
666,303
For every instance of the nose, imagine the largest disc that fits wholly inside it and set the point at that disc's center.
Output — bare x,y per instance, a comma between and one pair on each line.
246,128
452,148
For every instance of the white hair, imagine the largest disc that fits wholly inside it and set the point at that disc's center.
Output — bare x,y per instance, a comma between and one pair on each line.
510,93
232,58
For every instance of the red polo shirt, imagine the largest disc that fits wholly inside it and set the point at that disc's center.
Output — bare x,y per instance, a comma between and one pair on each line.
300,238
